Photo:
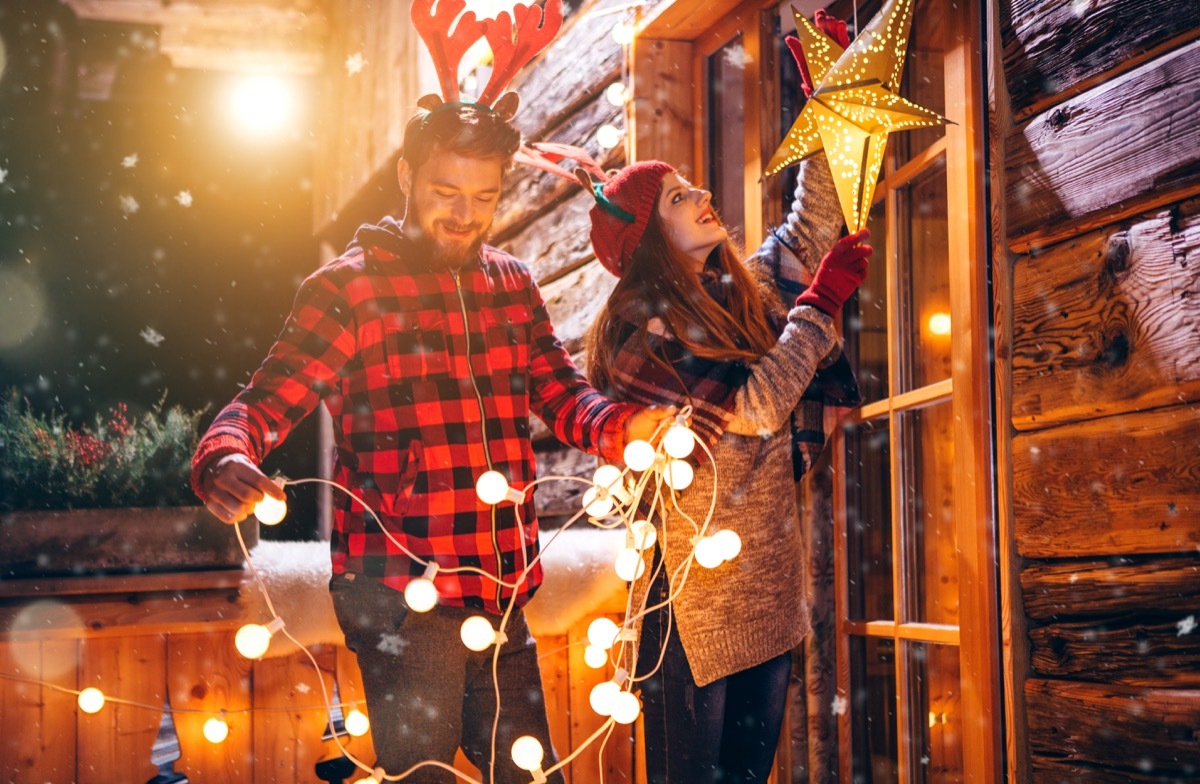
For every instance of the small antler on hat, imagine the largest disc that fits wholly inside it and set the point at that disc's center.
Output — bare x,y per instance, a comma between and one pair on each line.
446,48
546,156
512,52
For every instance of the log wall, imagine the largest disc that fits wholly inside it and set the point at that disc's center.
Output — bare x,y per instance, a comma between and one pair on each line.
1098,351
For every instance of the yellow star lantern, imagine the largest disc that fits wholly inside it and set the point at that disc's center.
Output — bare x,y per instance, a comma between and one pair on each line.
854,106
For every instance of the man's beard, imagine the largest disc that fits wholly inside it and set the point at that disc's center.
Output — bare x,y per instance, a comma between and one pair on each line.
436,254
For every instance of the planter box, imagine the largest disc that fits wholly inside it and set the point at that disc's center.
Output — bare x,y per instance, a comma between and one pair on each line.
92,541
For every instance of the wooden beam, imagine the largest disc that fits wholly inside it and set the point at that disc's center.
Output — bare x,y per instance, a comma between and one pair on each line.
663,123
1103,588
1119,485
1120,149
1139,649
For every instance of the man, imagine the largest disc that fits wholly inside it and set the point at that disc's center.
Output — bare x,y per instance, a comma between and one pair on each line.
429,349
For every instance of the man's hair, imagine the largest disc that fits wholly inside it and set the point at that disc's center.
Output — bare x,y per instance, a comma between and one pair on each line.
469,130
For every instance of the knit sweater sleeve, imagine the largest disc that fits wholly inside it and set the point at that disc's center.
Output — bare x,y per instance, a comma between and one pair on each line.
776,382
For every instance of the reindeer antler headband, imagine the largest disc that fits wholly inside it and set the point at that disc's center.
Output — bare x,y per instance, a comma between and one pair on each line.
513,47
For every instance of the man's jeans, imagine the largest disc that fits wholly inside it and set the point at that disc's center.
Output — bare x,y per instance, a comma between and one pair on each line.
724,732
427,693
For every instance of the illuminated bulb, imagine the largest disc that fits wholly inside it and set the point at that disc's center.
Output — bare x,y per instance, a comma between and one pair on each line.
729,544
527,752
477,633
261,104
679,442
939,324
630,565
608,136
639,455
357,723
216,730
679,474
253,639
708,553
375,777
604,697
615,93
623,33
420,594
270,510
608,477
595,657
625,708
597,502
643,534
91,700
602,633
491,487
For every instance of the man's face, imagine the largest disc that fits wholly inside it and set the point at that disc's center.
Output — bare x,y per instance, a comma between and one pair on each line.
451,204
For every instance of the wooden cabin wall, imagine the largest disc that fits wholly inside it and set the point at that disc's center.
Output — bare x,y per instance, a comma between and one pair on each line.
1096,161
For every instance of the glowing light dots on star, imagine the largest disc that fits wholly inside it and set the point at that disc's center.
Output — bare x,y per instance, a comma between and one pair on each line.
420,594
477,633
90,700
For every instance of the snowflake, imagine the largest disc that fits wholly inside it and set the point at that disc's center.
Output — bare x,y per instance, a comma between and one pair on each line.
1186,626
184,198
391,644
3,175
355,63
129,161
129,205
152,336
839,705
303,688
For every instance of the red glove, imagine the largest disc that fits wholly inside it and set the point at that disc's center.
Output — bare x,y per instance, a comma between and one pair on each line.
834,28
841,272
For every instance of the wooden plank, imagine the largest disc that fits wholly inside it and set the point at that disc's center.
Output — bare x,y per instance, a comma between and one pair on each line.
1135,650
1121,485
575,300
205,675
559,242
118,739
1053,49
148,613
123,583
663,118
37,722
585,768
1052,771
286,729
1079,722
1101,588
685,21
350,689
1122,148
553,660
1109,322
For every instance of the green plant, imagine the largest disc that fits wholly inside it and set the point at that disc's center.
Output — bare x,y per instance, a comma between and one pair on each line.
48,463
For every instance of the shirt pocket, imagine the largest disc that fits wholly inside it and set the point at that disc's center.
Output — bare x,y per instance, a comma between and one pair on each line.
508,329
415,345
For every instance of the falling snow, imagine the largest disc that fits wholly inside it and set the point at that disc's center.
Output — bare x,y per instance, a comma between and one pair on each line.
152,336
3,175
184,198
129,161
1186,626
391,644
303,687
129,205
355,63
840,704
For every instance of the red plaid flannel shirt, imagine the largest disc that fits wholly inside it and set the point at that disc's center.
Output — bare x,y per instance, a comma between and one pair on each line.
430,378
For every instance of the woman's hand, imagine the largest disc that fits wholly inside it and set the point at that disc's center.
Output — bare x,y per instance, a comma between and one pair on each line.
641,425
843,270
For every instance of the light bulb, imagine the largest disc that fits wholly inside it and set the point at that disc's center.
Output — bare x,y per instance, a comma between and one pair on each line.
270,510
608,477
708,553
491,487
643,534
679,474
603,697
252,640
608,136
615,93
91,700
602,633
623,33
595,657
728,543
477,633
630,565
527,752
375,777
357,723
420,595
679,442
639,455
939,324
597,505
215,730
625,708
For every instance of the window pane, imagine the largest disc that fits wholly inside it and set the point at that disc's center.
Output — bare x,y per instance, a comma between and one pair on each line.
869,522
873,710
923,81
726,120
927,449
865,317
924,279
937,718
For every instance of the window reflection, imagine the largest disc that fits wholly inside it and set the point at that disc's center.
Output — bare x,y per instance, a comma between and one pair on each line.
869,521
726,137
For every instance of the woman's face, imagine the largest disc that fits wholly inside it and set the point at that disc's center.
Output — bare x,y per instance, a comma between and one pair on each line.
688,220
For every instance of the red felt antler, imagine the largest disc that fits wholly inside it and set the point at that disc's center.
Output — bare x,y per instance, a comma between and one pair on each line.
446,48
534,31
834,28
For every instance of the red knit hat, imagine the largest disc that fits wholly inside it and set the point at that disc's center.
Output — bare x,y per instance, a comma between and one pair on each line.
622,211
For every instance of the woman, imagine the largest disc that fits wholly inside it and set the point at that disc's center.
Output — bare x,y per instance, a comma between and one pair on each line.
690,323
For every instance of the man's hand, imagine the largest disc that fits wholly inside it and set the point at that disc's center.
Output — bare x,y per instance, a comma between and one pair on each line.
233,485
641,426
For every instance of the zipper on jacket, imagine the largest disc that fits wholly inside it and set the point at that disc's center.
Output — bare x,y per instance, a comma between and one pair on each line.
487,454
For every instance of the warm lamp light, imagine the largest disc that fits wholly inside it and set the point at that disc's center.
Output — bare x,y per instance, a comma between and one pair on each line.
603,697
939,324
639,455
623,33
597,502
630,565
679,474
420,594
602,633
595,657
477,633
253,639
527,752
608,136
625,708
708,553
491,487
261,105
643,535
728,544
270,510
679,442
216,730
615,93
91,700
357,723
375,777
